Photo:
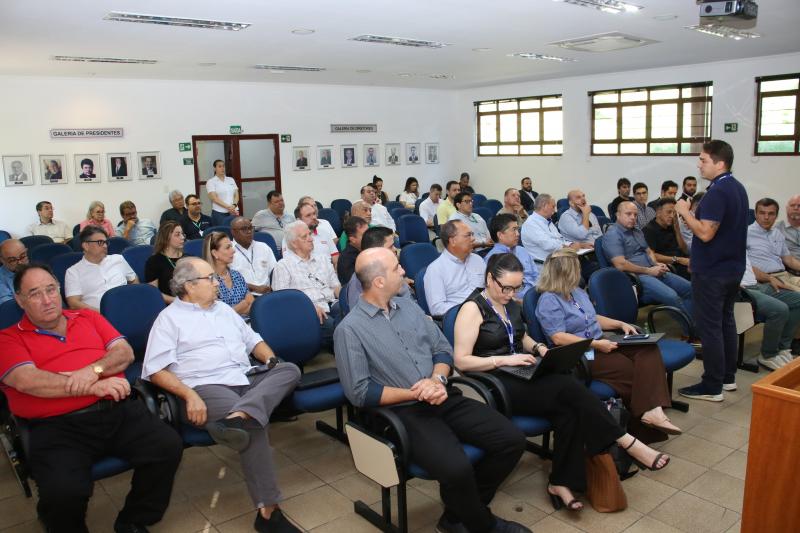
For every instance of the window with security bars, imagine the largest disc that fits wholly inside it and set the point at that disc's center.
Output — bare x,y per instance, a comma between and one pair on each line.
520,126
778,115
664,120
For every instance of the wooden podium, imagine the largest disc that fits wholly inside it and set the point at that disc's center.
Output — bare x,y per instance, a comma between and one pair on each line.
772,483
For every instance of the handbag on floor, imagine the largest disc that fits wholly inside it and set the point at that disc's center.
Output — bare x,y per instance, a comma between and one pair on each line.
622,460
603,487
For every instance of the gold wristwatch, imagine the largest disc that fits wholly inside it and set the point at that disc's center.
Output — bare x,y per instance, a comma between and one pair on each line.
98,370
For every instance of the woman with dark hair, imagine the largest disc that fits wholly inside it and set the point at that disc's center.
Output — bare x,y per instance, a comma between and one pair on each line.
218,251
223,193
410,193
168,249
378,184
490,333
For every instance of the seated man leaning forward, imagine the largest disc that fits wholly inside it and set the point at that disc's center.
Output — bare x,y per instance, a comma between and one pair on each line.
62,374
412,376
198,350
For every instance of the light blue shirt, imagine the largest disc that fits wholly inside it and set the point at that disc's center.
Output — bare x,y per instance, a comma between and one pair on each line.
558,315
141,233
529,267
766,248
541,237
571,227
628,243
476,224
6,285
449,281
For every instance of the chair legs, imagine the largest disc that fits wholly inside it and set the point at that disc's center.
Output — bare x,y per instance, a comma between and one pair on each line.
338,431
383,521
740,364
10,440
676,404
542,450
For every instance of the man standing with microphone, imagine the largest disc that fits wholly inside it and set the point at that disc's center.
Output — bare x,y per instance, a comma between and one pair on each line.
718,261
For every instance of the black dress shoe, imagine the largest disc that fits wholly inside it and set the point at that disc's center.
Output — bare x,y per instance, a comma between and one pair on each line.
277,523
507,526
125,527
230,432
446,526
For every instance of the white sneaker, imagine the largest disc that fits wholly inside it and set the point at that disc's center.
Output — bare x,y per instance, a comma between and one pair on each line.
729,386
786,355
772,363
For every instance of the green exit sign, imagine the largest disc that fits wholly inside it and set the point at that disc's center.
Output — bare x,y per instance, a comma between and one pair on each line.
188,161
286,138
236,129
731,127
185,147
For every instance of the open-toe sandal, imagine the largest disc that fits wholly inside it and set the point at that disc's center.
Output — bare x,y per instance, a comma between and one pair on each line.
653,466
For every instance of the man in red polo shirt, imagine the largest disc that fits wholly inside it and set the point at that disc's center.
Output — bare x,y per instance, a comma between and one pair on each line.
62,374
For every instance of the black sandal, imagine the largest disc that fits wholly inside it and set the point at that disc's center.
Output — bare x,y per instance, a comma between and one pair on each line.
573,505
653,466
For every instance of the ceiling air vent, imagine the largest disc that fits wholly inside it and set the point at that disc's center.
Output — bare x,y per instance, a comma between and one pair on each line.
398,41
176,21
603,42
117,60
287,68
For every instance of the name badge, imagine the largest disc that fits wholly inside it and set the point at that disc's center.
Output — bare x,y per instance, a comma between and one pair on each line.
589,354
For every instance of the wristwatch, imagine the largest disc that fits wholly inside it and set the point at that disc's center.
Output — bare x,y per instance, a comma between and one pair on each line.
98,370
441,379
674,259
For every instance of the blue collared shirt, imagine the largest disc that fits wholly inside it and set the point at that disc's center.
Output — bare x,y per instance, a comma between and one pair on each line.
529,267
766,248
449,281
628,243
570,224
476,224
541,237
6,284
558,315
644,215
140,233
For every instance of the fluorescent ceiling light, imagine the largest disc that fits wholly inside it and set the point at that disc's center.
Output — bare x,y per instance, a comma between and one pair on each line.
303,31
440,76
603,42
277,68
176,21
607,6
398,41
717,30
543,57
117,60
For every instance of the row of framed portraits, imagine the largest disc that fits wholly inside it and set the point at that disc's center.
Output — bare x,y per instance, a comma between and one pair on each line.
370,156
19,170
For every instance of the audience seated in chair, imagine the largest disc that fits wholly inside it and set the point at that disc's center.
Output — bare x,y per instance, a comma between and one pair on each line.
360,209
463,184
194,222
504,230
274,218
311,274
635,372
69,388
578,223
437,417
96,216
447,206
57,230
644,213
380,215
482,241
218,251
663,236
210,371
540,236
88,279
136,230
527,194
623,195
382,197
321,232
254,260
429,206
354,228
166,252
791,226
767,248
377,237
512,204
582,424
669,190
14,255
452,277
410,194
178,209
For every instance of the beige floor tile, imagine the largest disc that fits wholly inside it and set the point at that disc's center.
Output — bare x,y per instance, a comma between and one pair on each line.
527,465
719,488
693,369
181,516
738,413
678,474
331,466
294,480
532,490
428,487
697,450
685,421
645,494
312,445
650,525
357,487
551,524
423,512
591,521
728,435
350,523
240,524
735,528
316,507
734,465
703,407
510,508
223,504
102,511
17,510
694,515
9,486
34,526
199,476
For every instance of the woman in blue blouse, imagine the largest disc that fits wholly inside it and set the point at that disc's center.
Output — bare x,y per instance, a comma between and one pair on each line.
567,315
218,251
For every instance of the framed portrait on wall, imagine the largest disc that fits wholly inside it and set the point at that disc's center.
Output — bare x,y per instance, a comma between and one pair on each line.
300,157
87,168
392,154
412,153
371,155
432,153
349,156
118,166
149,164
18,170
325,156
53,169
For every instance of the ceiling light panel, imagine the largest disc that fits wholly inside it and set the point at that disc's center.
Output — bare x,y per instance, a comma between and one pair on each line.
606,6
116,60
398,41
724,32
603,42
542,57
287,68
176,21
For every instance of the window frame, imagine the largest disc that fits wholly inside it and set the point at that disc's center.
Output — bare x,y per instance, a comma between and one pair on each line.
518,112
759,96
619,105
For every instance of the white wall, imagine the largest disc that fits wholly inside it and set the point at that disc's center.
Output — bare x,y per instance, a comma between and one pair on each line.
157,115
734,101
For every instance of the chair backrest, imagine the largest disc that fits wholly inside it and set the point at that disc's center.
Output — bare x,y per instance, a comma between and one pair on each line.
419,290
117,244
193,248
319,205
485,213
398,212
751,216
137,256
393,205
341,206
600,253
224,229
333,217
449,324
604,222
61,263
562,204
116,305
478,199
227,221
611,213
32,241
529,313
76,229
411,229
288,323
416,257
598,211
492,205
4,235
612,294
416,205
269,240
437,229
10,313
44,253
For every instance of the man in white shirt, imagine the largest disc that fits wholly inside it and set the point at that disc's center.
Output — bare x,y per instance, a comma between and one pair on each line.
198,350
380,216
482,240
452,277
428,207
137,230
322,234
539,235
55,229
578,223
311,274
88,279
274,218
791,226
254,260
766,245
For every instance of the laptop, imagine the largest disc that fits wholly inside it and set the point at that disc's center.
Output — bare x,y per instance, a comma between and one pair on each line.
557,361
635,340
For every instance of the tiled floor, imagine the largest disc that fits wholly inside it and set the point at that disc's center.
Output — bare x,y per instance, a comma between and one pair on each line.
700,491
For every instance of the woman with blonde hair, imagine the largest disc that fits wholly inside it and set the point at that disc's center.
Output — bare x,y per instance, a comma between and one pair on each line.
96,216
168,249
635,372
218,251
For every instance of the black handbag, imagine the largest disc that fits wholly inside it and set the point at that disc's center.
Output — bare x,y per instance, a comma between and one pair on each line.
622,460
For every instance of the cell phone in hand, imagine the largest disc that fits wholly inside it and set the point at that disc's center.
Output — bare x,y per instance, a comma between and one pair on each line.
637,337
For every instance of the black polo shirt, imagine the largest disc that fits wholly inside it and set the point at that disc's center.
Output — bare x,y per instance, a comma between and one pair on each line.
662,240
346,264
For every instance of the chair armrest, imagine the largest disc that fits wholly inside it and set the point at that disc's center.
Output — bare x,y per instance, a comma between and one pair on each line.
383,423
480,389
495,387
675,313
147,393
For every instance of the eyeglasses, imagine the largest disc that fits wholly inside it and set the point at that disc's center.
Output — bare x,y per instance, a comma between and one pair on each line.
508,289
514,229
466,201
15,260
51,291
100,242
194,203
210,278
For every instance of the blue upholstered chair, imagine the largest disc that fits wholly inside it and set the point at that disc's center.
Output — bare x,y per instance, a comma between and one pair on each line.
137,257
32,241
398,212
478,199
486,214
60,264
417,256
4,235
492,205
193,247
269,240
333,217
341,206
412,228
419,290
10,313
117,244
224,229
598,211
44,253
393,205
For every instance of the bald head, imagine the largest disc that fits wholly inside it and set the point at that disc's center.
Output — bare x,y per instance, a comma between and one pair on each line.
793,211
626,214
362,209
13,254
371,264
380,274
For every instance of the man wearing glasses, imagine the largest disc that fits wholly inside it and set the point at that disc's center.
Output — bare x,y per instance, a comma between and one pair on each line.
483,241
14,254
504,229
254,260
88,279
194,222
